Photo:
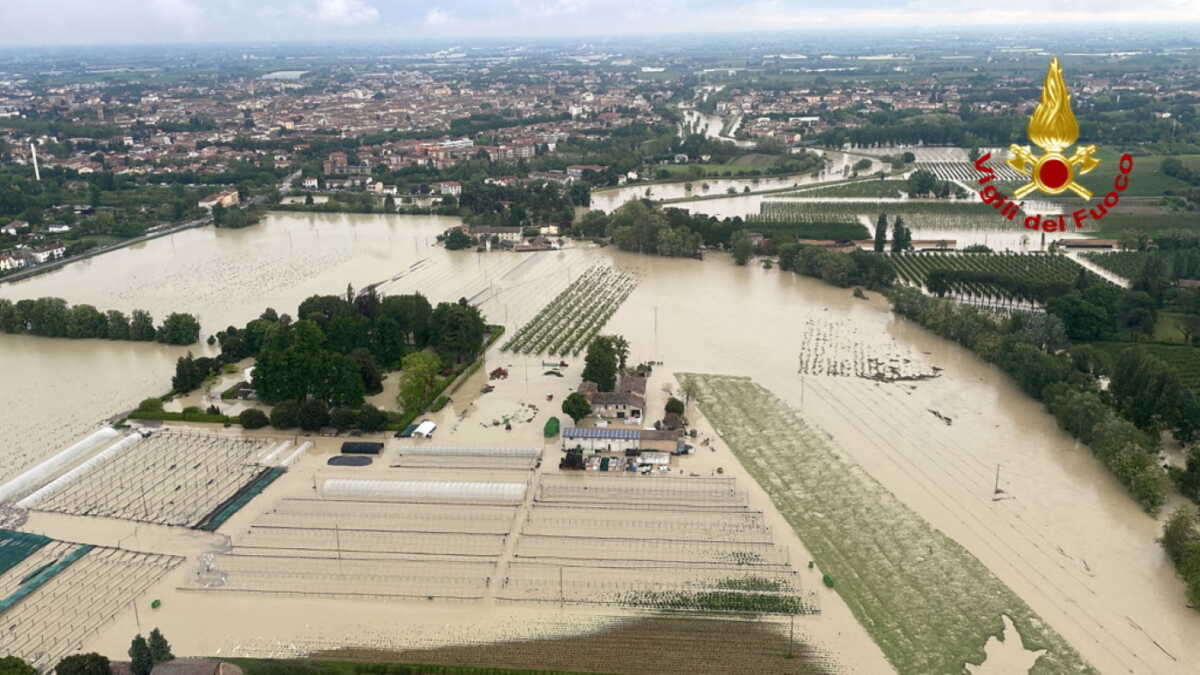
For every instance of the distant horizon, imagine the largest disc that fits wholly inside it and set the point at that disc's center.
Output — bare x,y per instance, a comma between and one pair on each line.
138,23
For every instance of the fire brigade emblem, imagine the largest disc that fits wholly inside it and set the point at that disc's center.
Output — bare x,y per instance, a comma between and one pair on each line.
1053,128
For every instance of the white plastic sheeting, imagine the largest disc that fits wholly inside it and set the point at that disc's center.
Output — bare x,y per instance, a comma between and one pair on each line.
42,473
64,480
347,488
295,456
274,453
472,452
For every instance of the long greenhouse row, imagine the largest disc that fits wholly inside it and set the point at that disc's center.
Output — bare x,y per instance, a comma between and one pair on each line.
575,316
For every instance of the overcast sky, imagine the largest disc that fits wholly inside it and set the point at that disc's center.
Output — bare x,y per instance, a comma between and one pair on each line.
155,21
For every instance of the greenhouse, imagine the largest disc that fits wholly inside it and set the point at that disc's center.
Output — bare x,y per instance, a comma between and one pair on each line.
472,452
418,490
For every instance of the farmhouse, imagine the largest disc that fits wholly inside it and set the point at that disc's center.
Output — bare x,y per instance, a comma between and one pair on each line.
509,234
626,402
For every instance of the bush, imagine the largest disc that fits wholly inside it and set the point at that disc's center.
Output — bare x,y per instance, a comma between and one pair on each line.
11,665
286,415
313,414
253,418
192,410
674,405
371,418
83,664
439,403
343,418
151,405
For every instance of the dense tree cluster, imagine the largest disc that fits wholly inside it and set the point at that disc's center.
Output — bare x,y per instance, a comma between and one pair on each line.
940,281
318,368
858,268
1181,541
536,204
925,183
52,317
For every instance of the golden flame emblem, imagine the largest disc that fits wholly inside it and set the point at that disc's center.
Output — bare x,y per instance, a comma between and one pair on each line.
1053,128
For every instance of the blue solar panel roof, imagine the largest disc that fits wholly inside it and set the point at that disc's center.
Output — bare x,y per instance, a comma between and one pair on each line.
601,432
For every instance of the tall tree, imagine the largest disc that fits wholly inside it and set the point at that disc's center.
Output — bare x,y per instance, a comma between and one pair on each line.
139,653
601,364
160,649
82,664
743,248
419,379
621,348
901,237
881,227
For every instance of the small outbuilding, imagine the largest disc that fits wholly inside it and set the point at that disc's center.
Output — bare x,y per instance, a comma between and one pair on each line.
424,430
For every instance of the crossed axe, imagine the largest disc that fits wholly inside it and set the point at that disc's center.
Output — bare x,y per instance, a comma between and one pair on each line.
1023,161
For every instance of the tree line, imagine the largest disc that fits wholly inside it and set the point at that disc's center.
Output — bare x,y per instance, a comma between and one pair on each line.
53,317
1035,351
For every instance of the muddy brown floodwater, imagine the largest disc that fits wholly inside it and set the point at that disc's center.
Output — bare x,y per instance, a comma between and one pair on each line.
1065,536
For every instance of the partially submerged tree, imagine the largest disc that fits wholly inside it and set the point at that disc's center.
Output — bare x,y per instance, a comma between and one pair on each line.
576,406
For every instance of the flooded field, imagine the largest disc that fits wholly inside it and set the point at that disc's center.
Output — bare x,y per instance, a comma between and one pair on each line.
837,168
1064,538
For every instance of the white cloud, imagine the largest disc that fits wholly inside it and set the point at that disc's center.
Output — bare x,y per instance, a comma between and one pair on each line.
345,12
437,17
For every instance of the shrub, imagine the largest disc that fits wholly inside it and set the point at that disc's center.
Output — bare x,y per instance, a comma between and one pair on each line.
151,405
343,418
286,415
371,418
192,409
674,405
253,418
439,403
83,664
313,414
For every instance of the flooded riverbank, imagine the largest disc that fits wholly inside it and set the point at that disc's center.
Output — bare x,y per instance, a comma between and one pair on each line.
1066,538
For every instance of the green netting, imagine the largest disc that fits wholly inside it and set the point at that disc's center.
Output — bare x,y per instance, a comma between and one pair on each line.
17,546
551,428
45,574
230,506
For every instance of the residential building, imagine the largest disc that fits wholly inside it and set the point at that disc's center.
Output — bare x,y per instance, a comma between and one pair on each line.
225,198
49,252
575,171
15,228
10,262
449,187
505,234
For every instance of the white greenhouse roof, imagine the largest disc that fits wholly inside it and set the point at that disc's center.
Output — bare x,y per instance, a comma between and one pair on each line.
349,488
472,452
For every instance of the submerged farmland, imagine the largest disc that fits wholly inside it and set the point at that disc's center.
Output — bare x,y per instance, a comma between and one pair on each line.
929,604
572,319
